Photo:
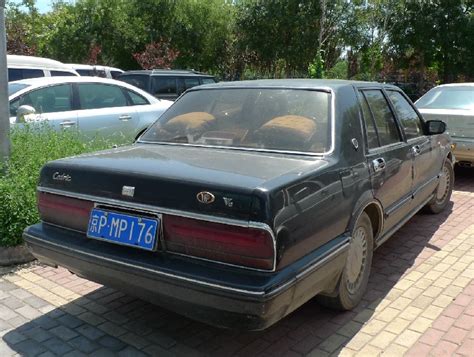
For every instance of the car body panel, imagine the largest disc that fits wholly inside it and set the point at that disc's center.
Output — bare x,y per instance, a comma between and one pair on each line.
307,202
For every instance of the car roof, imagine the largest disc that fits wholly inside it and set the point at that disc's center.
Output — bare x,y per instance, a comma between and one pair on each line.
174,72
29,61
302,83
469,84
46,81
89,66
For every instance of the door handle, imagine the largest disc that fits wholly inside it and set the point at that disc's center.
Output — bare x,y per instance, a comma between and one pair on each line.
125,117
67,123
379,164
416,150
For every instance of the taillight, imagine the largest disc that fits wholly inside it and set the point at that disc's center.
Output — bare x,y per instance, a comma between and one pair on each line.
64,211
250,247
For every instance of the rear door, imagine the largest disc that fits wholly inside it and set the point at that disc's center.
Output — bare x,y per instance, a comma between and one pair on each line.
105,112
426,161
388,156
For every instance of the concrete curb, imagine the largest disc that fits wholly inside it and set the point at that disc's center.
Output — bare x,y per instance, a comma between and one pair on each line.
15,255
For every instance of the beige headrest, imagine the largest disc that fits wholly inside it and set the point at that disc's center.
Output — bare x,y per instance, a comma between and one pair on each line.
189,121
295,125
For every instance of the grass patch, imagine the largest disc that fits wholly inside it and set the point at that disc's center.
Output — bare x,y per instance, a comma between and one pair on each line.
32,147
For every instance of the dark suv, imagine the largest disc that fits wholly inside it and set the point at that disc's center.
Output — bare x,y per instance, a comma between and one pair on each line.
166,83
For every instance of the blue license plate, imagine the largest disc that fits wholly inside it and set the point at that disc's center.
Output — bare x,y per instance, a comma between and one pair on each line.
125,229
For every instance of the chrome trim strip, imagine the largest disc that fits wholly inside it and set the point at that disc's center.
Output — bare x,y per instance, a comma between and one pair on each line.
161,210
429,182
398,205
335,251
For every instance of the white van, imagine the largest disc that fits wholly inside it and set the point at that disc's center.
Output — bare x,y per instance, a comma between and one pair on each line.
96,70
23,67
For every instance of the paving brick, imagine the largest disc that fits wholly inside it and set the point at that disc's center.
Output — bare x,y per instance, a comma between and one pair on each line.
432,337
29,348
63,332
38,334
111,343
443,349
455,335
83,344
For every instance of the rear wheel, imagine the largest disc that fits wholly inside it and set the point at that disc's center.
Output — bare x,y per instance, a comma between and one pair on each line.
444,189
355,275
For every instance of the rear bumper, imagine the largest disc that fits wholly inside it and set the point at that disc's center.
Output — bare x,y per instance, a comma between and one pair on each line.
221,296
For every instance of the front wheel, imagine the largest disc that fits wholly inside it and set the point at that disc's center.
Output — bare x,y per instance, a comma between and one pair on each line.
355,275
444,189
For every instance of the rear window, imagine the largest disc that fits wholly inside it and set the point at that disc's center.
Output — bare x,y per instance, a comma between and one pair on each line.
269,119
85,72
461,97
15,87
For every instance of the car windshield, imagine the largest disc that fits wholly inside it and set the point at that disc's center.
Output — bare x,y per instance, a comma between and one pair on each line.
268,119
460,97
15,87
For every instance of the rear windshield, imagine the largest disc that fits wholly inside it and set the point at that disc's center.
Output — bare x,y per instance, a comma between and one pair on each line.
269,119
15,87
461,97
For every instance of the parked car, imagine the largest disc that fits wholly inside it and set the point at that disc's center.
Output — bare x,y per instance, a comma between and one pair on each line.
165,83
454,105
96,70
95,106
247,199
23,67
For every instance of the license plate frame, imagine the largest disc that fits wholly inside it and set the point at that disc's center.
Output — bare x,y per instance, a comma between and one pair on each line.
151,226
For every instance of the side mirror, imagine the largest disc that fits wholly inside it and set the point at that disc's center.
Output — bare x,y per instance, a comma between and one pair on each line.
23,111
435,127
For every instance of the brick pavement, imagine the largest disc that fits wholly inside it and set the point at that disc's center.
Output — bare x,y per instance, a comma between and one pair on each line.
420,301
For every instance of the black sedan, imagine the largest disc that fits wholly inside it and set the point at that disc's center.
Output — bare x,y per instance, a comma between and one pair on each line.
246,199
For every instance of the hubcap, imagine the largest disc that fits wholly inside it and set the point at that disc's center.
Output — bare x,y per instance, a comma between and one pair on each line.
443,186
356,260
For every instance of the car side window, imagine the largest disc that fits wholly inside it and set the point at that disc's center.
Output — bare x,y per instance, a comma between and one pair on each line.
137,99
383,117
370,129
15,74
97,96
191,82
207,80
49,99
61,73
14,105
164,85
140,81
407,116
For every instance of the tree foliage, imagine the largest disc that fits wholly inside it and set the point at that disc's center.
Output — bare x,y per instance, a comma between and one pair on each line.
389,40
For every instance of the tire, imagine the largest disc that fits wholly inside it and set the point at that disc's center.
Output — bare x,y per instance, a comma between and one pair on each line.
443,190
355,275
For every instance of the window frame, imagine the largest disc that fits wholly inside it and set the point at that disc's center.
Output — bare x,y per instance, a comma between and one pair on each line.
420,117
401,133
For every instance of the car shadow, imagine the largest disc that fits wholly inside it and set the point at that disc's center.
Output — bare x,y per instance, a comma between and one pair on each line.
107,320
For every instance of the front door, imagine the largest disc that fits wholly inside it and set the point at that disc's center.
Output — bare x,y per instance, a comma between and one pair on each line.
389,157
53,105
426,163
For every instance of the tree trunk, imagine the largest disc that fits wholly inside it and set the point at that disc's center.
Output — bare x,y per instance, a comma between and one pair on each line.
4,105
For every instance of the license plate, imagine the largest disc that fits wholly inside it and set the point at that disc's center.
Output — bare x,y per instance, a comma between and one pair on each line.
135,231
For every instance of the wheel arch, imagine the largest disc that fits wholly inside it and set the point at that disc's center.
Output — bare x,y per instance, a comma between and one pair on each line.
368,204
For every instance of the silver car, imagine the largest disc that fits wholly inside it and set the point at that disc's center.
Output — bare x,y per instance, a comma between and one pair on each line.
453,104
97,107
